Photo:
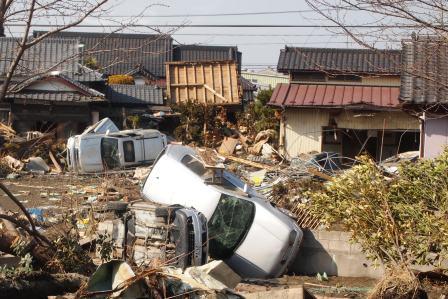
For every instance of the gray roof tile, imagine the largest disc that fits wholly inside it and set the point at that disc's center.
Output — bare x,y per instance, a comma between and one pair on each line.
49,54
119,53
134,94
293,59
424,77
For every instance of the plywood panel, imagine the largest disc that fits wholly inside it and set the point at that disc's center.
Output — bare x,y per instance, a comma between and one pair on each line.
213,82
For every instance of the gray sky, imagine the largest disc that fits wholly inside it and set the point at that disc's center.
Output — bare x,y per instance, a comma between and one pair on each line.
260,46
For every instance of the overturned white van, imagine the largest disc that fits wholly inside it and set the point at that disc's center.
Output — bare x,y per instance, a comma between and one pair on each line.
96,152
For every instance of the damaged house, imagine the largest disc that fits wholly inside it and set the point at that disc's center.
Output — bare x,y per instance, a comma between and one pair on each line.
222,60
50,90
138,57
424,90
344,101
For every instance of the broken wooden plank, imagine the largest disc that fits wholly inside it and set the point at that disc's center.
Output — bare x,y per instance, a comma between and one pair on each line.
251,163
316,172
228,146
55,162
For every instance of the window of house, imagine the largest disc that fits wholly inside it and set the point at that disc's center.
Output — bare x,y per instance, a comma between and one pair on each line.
310,76
129,153
331,136
229,225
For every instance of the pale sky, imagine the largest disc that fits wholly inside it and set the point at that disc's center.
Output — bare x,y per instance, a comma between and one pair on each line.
260,46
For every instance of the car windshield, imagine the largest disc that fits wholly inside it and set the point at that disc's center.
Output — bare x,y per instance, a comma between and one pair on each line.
109,152
229,225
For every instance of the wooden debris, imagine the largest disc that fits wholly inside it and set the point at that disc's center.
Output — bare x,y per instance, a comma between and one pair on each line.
228,146
55,162
250,163
316,172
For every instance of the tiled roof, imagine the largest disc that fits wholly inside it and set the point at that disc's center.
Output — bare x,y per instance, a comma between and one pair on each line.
134,94
118,53
314,95
49,54
84,74
424,78
83,93
247,85
43,96
83,88
206,53
339,60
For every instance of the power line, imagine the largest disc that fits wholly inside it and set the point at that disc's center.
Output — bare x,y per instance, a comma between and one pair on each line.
209,14
220,26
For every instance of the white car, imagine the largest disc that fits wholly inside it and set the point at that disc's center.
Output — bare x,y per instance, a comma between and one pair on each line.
95,152
253,237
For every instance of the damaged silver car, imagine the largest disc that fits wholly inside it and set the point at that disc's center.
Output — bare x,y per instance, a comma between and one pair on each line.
253,237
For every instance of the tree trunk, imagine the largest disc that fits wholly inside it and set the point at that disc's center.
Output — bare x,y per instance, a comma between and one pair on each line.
41,285
41,254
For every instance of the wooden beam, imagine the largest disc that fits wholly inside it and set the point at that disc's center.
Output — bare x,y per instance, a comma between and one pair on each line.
214,93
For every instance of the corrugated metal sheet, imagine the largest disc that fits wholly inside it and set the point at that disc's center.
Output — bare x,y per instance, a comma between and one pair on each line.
424,78
339,60
134,94
436,136
302,95
199,53
302,130
265,81
118,53
49,54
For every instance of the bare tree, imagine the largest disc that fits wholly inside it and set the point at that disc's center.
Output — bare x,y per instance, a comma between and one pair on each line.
67,13
374,22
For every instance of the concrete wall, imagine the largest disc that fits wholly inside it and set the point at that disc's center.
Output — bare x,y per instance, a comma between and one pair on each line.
331,252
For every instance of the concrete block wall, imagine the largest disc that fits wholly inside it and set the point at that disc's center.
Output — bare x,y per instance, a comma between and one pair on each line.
332,252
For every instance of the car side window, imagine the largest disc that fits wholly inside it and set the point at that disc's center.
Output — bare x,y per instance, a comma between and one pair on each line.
229,225
129,153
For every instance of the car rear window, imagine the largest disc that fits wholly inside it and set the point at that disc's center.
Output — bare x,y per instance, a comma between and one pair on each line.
109,152
129,153
194,165
229,225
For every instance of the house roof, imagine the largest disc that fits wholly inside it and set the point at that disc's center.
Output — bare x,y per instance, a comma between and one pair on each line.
424,77
134,94
247,85
198,53
49,54
119,53
293,59
79,92
48,96
334,96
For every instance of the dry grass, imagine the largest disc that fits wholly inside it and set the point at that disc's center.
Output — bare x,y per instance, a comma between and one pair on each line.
399,283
